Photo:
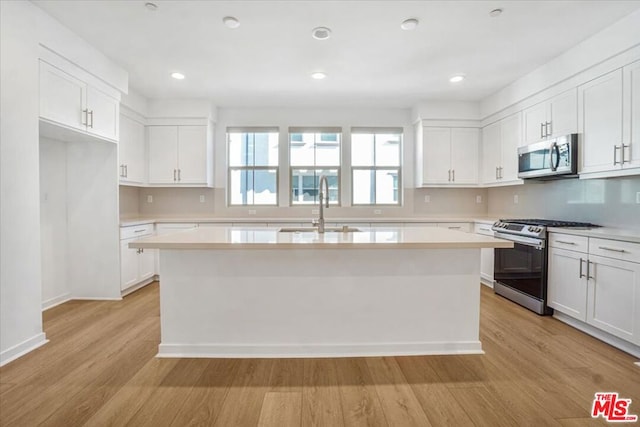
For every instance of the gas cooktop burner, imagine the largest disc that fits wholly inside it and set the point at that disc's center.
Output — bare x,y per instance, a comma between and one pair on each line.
549,223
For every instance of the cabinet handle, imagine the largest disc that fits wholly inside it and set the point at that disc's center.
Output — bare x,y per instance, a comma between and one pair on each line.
449,176
453,171
548,129
581,275
500,169
174,175
85,119
496,172
121,172
565,242
126,171
541,130
138,231
615,158
179,173
90,113
484,229
622,153
454,228
605,248
589,276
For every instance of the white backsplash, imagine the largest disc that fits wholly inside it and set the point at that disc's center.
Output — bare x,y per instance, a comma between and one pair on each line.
608,202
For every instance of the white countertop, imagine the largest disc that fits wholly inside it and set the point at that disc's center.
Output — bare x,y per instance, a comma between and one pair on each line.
625,235
126,222
367,238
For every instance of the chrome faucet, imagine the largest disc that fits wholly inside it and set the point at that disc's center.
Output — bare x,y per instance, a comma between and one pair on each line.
324,197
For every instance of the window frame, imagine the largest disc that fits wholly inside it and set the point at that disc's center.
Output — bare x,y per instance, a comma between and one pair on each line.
374,169
231,169
338,168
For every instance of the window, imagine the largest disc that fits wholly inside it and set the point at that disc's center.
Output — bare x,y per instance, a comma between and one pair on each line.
314,152
376,166
253,166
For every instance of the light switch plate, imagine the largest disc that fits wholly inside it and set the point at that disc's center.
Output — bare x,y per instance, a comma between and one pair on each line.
149,198
202,198
377,211
638,197
252,211
315,211
478,199
515,199
427,198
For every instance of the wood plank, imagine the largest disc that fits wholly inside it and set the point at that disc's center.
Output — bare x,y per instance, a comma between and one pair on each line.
321,404
435,398
204,402
399,403
484,408
287,375
243,404
281,409
360,403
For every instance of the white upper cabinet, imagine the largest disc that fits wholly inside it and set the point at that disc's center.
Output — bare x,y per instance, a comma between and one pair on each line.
554,117
500,142
600,123
72,103
131,150
631,119
449,156
180,155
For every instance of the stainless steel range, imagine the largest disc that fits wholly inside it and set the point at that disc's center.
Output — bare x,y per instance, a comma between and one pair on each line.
520,273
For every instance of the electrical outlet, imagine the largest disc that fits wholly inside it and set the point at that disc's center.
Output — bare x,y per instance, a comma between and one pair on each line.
427,198
377,211
315,211
515,199
638,197
478,199
202,198
252,211
149,198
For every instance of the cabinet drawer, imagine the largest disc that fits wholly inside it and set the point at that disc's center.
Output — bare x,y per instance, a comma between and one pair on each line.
569,241
484,229
136,231
457,226
626,251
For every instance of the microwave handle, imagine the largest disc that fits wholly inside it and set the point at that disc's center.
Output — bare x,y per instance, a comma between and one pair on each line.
554,149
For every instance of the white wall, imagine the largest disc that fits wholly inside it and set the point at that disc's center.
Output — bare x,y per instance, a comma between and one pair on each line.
53,222
607,202
20,273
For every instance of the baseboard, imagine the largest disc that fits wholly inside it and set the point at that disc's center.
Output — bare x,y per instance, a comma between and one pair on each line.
317,350
488,282
138,286
97,299
52,302
23,348
614,341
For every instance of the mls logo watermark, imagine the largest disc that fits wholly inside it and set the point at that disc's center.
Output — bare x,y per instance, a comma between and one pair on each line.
612,408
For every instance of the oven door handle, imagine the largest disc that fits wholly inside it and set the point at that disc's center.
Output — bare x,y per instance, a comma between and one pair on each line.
527,241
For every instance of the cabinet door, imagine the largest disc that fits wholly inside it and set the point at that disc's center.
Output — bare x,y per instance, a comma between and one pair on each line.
62,97
464,155
147,264
563,113
104,114
163,154
490,153
486,265
436,162
192,154
632,115
131,150
533,120
614,297
567,291
511,139
600,122
128,265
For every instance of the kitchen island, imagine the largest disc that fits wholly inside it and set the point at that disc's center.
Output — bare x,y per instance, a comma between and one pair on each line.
240,292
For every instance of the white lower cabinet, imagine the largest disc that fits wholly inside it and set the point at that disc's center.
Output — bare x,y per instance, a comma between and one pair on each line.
487,255
136,265
602,291
456,226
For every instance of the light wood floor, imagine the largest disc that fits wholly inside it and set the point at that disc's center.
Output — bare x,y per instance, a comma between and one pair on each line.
99,370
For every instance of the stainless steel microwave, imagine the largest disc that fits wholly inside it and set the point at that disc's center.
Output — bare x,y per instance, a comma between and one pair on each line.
550,159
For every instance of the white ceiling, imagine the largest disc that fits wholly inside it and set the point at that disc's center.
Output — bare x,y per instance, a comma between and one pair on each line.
369,59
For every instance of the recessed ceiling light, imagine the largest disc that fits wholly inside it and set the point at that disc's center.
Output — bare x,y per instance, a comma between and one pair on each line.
409,24
151,6
321,33
495,13
231,22
457,78
318,75
177,76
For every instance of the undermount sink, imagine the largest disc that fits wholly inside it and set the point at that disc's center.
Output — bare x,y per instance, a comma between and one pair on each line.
343,229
